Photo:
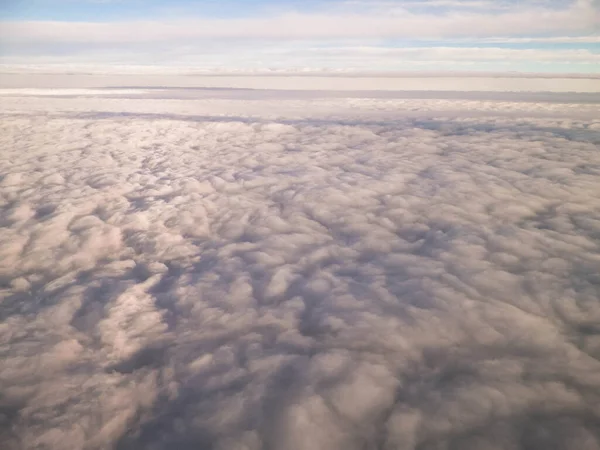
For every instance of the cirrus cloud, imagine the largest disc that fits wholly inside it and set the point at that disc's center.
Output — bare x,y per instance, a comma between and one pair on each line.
582,17
447,38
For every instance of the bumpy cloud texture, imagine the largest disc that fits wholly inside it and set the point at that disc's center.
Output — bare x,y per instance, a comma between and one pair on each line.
418,275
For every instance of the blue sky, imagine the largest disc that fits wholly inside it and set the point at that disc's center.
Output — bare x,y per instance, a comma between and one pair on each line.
402,35
104,10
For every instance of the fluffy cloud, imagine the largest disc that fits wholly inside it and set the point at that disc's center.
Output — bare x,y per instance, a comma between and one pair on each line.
327,274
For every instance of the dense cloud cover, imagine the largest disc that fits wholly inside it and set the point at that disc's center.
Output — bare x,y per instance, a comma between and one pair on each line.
172,278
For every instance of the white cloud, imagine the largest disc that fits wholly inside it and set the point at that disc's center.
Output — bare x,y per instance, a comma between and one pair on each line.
592,39
347,57
334,273
581,17
84,80
281,38
453,54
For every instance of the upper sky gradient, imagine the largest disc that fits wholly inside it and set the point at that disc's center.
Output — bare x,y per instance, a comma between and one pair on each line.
394,35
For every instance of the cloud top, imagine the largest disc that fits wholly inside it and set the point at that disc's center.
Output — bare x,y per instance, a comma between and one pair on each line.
340,273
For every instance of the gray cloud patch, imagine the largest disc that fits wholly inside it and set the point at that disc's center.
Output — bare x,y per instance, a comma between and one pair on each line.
410,283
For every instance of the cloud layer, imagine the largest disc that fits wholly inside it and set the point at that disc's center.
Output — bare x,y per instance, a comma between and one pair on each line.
359,35
335,274
581,17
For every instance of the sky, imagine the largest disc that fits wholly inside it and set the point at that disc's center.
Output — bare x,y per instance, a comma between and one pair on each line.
336,35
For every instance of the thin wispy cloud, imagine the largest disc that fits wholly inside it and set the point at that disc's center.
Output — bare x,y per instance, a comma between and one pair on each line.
398,26
579,18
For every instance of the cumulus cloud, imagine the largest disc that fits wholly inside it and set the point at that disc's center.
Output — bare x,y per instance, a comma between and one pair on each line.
328,274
